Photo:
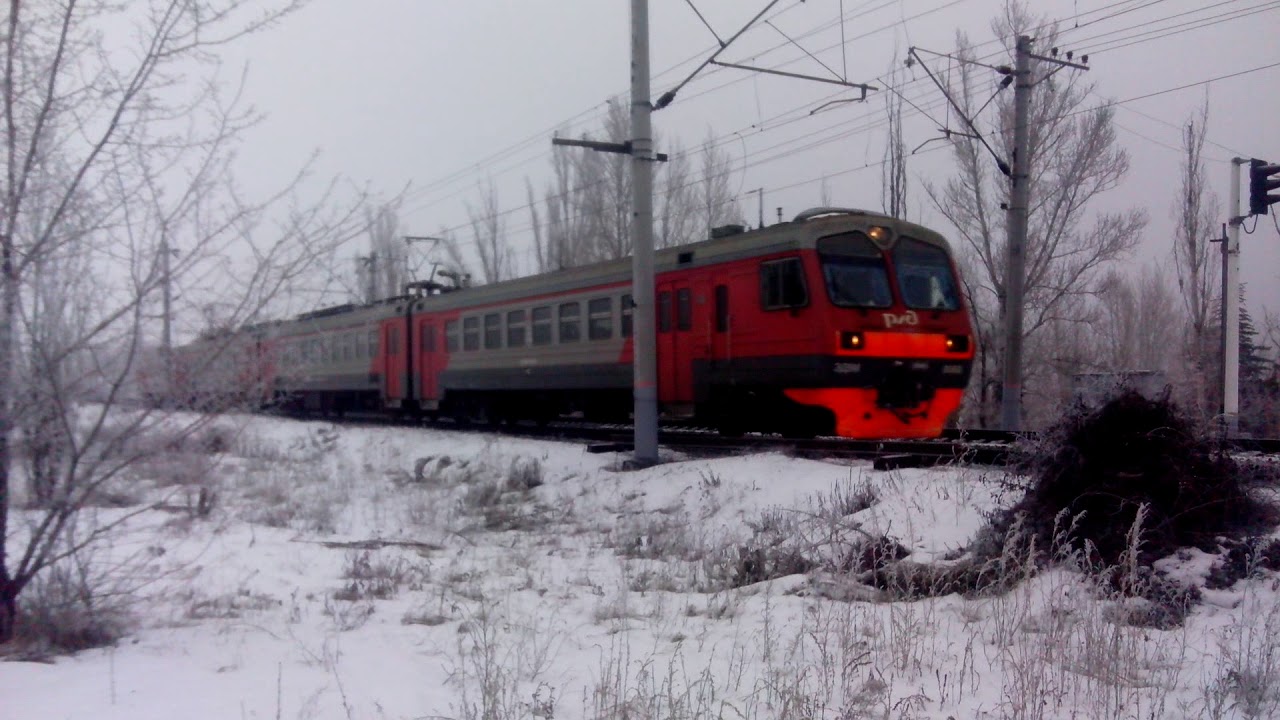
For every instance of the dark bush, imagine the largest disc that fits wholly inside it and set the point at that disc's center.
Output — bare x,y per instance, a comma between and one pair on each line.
1099,467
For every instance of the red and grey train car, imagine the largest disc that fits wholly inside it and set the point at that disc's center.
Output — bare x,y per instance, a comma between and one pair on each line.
840,322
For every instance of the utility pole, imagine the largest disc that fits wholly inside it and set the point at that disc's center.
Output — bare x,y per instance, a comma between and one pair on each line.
1231,308
1015,253
644,340
644,336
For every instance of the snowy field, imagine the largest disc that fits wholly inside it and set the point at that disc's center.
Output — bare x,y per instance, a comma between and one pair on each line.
349,573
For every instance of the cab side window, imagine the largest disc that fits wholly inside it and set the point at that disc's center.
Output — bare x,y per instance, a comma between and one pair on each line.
782,284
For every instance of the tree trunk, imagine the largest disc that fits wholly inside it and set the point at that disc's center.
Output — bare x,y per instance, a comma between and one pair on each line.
8,308
8,607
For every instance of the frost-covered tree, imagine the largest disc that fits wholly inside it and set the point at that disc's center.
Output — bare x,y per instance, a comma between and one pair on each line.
1195,215
487,228
1073,159
111,194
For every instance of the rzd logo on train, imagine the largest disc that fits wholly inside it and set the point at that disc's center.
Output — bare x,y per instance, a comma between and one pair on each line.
907,318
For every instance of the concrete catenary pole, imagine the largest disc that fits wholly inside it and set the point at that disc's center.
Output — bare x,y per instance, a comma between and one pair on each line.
1015,252
645,334
1231,309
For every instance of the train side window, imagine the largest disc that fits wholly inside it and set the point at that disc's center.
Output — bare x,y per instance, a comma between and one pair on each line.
627,310
782,284
600,319
570,322
471,333
722,308
393,341
373,343
664,312
361,350
428,338
317,351
347,342
515,328
542,325
451,336
492,331
684,309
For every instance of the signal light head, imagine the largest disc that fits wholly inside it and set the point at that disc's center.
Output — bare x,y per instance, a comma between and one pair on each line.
1261,183
852,340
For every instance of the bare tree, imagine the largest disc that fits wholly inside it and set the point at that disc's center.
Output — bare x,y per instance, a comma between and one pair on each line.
606,199
1136,322
893,185
1073,159
496,261
386,268
715,197
565,239
103,177
1195,212
676,201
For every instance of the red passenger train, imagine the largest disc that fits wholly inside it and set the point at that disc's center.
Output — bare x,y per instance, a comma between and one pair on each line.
841,322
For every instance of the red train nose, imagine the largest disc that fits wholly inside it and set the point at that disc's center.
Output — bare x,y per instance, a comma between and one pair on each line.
859,415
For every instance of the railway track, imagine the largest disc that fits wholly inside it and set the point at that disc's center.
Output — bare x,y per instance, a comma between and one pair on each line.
968,447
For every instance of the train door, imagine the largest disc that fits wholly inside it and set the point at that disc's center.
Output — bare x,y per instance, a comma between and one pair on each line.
395,356
425,360
680,344
720,325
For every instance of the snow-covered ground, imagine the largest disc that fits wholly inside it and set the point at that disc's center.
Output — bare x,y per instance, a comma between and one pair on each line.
348,572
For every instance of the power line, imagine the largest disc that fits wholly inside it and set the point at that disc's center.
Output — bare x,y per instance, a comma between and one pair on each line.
781,119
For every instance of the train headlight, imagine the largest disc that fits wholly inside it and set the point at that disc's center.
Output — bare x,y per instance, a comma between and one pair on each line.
852,340
957,343
879,235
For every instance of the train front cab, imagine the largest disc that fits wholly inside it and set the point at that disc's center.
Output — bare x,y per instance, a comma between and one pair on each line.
895,333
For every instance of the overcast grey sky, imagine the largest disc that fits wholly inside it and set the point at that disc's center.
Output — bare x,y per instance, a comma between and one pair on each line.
441,95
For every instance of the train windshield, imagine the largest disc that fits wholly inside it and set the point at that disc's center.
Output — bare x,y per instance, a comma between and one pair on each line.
854,271
924,276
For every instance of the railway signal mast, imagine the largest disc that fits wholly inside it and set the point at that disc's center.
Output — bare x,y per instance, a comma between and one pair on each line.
1262,180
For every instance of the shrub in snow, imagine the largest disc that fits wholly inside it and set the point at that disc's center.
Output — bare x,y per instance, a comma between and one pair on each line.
65,610
1101,467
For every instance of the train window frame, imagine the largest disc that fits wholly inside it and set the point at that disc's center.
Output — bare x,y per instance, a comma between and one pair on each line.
663,309
373,343
493,331
722,308
930,264
773,270
540,326
684,309
361,351
626,312
452,336
569,318
600,318
516,328
471,333
347,346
